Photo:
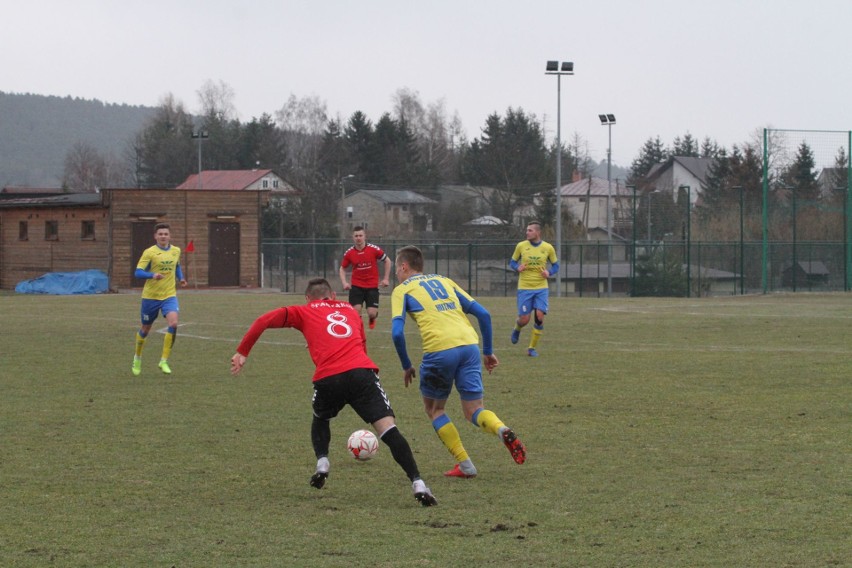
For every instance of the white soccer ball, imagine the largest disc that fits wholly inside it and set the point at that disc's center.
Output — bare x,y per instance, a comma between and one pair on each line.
362,445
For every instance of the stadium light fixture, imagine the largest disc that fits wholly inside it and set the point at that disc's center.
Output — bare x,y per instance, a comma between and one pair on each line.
608,120
200,134
554,68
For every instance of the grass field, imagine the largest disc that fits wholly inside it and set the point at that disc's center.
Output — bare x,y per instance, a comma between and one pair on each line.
660,432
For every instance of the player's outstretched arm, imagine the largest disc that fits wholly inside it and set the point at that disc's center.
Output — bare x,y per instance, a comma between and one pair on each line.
237,362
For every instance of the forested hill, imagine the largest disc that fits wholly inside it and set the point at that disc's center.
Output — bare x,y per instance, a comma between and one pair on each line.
37,131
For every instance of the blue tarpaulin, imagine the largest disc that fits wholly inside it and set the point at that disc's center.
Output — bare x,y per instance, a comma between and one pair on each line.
84,282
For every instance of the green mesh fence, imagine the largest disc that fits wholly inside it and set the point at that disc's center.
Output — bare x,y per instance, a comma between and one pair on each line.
779,221
806,210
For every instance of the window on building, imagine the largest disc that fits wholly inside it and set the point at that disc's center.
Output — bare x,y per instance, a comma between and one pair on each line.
87,230
265,183
51,230
275,183
23,231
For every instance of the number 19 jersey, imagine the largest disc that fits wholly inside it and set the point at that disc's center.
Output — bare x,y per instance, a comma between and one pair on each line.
436,304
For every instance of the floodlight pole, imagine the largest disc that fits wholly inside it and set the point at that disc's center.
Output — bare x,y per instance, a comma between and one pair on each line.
342,204
688,239
200,135
742,247
608,120
553,68
633,247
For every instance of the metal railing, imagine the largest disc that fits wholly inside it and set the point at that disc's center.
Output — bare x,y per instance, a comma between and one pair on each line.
482,268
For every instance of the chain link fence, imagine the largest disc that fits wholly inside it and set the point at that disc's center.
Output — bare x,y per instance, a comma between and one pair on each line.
789,231
591,269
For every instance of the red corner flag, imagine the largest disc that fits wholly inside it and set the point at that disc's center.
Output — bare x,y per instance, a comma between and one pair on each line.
190,247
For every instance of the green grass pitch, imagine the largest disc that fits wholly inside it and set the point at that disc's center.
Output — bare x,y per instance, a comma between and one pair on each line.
660,432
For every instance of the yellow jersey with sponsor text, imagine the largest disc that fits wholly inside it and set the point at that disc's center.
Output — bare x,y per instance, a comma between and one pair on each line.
164,261
433,303
535,257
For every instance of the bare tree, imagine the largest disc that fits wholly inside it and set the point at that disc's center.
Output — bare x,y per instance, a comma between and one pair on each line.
578,149
303,122
217,100
86,170
777,155
408,108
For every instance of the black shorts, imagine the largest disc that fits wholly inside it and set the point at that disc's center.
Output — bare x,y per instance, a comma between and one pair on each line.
358,296
359,388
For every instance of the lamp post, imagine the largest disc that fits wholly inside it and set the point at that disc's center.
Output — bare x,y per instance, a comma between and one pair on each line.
633,247
742,247
688,238
555,68
649,195
608,120
342,205
200,134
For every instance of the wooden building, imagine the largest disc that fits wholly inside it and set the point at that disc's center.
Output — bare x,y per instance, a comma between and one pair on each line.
61,233
109,230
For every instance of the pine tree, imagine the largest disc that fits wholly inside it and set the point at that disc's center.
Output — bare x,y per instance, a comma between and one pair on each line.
164,151
652,153
686,146
800,176
717,182
511,157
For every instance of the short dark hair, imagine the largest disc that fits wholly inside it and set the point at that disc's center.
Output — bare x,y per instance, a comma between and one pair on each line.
318,289
159,226
413,256
357,228
536,223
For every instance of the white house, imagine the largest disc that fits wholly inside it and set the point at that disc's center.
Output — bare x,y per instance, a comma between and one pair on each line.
389,212
678,171
249,180
586,200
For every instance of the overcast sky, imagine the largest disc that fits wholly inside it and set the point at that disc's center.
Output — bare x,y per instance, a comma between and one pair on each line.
723,68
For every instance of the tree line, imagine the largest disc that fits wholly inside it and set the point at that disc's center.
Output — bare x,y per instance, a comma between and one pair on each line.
421,146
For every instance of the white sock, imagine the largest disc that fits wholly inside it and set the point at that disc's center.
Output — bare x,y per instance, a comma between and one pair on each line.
323,465
467,467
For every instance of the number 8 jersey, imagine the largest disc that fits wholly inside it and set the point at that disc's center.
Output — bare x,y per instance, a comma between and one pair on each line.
333,330
438,306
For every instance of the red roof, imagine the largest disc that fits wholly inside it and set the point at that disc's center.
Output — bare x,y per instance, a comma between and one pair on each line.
224,179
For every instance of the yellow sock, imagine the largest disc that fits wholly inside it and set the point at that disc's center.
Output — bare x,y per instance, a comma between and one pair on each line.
167,344
488,421
449,435
536,335
140,343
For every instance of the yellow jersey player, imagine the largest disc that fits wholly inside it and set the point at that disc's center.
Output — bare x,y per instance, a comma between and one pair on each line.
530,260
160,267
450,354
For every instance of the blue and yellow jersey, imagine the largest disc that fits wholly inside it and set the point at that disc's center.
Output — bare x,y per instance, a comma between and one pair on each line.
437,305
535,257
164,261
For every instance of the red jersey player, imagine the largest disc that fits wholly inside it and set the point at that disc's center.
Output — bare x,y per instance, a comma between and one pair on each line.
364,258
344,374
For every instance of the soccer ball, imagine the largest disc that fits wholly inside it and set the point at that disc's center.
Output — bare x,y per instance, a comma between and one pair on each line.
362,445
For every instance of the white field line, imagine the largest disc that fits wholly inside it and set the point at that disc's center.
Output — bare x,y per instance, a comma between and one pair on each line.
610,347
710,313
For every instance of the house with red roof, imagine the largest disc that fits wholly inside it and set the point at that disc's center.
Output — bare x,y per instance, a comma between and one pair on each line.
240,180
